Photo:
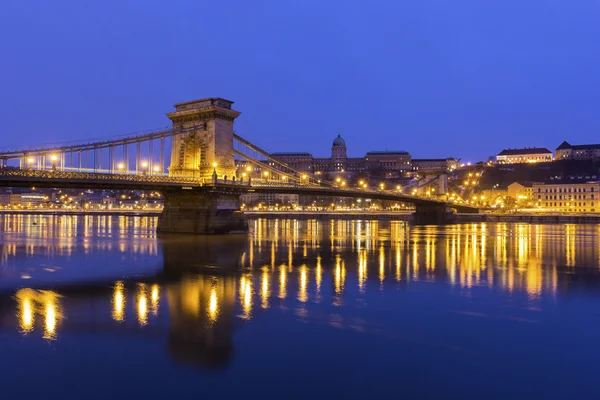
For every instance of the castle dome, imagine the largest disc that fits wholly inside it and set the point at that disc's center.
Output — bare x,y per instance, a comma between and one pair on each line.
339,141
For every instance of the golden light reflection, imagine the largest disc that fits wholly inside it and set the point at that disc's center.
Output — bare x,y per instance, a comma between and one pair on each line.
303,283
265,291
44,302
319,275
282,281
213,305
381,264
340,275
25,309
50,317
118,312
154,298
142,305
362,269
246,296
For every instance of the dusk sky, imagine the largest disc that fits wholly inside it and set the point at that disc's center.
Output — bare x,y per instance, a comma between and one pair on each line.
463,78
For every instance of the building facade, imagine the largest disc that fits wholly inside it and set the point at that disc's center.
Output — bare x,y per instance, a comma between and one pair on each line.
434,164
391,164
567,151
520,191
526,155
568,195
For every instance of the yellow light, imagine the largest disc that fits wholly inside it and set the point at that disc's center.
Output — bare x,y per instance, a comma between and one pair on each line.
213,305
397,187
142,305
338,179
30,160
155,169
247,168
244,174
25,312
361,183
304,177
120,166
266,173
154,297
54,157
119,302
344,183
214,165
144,164
50,319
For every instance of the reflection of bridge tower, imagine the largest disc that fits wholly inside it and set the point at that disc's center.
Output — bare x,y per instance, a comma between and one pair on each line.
211,142
201,312
201,307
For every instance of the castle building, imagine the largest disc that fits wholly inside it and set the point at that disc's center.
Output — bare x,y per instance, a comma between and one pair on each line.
567,151
392,163
526,155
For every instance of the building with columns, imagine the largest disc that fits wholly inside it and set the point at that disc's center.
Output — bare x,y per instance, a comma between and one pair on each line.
392,164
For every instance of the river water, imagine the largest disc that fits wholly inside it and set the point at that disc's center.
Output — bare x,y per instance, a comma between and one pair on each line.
99,307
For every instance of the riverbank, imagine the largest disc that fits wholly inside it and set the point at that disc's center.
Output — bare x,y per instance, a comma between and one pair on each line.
326,215
137,213
458,218
530,218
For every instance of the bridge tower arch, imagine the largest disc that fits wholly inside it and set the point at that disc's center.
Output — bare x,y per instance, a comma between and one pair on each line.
208,140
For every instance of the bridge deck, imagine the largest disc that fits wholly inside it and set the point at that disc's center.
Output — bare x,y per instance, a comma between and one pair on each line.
15,177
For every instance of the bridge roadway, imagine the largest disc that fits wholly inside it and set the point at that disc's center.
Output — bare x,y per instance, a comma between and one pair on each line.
16,177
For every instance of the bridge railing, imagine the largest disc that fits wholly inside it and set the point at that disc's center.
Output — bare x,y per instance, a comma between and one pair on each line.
70,175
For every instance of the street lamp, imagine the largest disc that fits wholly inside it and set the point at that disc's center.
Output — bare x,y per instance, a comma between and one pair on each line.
144,166
156,169
30,161
53,157
120,167
382,185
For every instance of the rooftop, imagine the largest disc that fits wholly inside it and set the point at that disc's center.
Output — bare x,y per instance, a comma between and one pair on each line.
430,159
374,153
291,154
526,150
566,145
570,180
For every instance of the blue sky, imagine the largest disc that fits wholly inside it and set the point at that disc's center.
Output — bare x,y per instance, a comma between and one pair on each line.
462,78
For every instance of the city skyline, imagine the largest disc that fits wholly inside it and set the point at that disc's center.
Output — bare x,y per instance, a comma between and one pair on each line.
438,77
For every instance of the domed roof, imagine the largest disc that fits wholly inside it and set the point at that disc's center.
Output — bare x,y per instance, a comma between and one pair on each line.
339,141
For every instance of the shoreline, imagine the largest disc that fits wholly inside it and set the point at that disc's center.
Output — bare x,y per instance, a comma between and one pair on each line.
328,215
457,218
142,213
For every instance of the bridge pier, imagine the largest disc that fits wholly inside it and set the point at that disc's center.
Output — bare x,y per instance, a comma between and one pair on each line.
211,212
432,214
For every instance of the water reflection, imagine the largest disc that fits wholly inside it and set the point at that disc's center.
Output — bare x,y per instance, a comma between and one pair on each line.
206,284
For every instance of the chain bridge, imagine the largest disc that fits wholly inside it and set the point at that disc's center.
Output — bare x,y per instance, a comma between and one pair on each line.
199,178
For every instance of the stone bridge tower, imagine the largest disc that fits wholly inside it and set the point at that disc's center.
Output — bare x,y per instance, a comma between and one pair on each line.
210,143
